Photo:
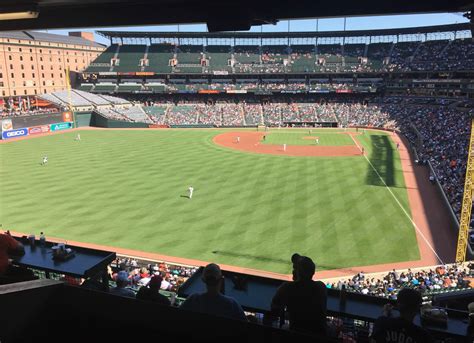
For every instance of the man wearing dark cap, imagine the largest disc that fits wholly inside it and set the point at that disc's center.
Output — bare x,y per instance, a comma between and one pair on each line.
213,301
151,292
401,329
304,299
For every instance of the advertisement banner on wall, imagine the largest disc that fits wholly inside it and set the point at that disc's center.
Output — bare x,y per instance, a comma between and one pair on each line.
38,129
61,126
15,133
67,116
7,124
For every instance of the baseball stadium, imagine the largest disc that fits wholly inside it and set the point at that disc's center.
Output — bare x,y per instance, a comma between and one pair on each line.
167,154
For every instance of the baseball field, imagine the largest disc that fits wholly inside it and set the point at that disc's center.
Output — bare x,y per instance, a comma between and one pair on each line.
128,189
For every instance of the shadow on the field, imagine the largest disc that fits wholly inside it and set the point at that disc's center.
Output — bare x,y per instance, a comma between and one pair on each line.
253,257
381,157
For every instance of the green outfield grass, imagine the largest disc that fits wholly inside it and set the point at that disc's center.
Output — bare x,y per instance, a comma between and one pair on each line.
128,189
300,137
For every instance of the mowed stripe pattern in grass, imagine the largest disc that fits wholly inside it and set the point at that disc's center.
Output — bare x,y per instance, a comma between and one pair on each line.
128,188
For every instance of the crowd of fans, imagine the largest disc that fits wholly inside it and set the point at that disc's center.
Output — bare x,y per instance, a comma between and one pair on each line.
20,112
430,281
441,135
402,56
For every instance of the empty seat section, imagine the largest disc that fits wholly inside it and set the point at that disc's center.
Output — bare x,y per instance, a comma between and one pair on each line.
302,59
218,57
190,54
129,58
159,56
102,62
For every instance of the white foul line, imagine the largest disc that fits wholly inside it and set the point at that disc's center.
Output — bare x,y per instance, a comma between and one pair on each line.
398,202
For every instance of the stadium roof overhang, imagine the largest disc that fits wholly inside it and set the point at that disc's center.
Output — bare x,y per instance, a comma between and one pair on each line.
230,35
220,15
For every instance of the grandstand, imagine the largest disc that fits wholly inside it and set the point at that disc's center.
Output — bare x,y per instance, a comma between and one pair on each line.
135,64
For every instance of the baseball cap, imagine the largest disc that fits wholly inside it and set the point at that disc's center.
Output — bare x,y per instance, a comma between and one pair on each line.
211,273
295,257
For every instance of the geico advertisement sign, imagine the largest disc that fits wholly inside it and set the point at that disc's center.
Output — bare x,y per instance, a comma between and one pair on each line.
38,129
14,133
61,126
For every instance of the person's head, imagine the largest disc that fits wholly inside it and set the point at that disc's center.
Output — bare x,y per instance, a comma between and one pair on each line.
155,282
305,268
409,302
122,279
212,277
470,308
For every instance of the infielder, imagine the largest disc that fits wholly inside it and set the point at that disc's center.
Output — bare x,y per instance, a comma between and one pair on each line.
317,140
78,137
284,147
238,139
190,190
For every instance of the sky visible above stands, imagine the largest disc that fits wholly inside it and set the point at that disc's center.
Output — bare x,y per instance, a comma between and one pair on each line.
333,24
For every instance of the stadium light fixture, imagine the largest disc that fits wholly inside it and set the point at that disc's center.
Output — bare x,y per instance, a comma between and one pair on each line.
18,12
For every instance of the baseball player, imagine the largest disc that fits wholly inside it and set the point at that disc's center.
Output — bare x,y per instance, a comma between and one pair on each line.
398,146
45,160
317,140
238,139
190,190
284,147
78,137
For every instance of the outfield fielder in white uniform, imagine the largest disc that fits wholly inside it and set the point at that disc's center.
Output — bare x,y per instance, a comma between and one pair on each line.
190,190
45,160
78,137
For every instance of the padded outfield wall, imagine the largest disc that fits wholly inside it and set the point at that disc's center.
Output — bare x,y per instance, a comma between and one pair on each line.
100,121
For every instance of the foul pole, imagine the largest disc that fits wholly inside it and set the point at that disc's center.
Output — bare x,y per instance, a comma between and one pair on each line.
466,202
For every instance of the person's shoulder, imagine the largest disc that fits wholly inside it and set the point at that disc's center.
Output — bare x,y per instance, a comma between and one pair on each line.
229,299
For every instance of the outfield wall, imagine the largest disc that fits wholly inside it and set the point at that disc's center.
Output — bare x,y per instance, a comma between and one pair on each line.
100,121
36,124
83,119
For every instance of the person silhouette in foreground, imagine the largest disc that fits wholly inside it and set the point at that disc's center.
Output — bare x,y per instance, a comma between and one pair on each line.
213,301
401,329
304,299
151,292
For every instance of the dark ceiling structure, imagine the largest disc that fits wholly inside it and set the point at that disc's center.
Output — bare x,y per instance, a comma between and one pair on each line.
263,35
220,15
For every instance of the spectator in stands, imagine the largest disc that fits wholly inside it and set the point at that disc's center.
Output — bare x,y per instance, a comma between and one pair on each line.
401,329
304,298
213,301
10,247
122,283
470,327
151,292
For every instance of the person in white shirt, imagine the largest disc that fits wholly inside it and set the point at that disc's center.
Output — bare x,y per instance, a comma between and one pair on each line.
45,160
190,190
78,137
